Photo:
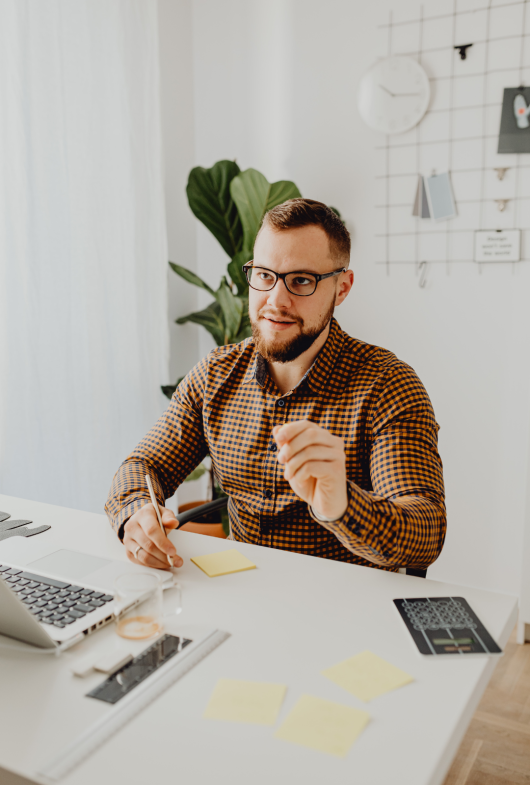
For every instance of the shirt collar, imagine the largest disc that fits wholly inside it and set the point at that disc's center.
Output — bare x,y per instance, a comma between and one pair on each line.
251,370
319,373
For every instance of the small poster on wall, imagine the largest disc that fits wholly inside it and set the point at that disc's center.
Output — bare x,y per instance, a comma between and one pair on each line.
514,136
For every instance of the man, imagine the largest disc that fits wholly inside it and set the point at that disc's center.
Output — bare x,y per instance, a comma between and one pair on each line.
325,445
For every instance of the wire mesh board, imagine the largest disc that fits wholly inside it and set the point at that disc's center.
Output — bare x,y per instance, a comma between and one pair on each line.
459,133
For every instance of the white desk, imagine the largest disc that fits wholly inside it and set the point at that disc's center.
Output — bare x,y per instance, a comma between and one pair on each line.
289,619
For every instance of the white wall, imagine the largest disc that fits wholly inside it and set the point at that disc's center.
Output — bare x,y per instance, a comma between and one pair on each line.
176,66
83,334
275,87
178,130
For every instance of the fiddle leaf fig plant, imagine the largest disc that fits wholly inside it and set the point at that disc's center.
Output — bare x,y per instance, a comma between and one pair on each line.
231,204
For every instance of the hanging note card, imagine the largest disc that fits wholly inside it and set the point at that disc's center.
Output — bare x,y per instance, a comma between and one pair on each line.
498,246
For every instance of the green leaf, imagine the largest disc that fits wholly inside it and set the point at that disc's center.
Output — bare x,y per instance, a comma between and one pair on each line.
254,196
196,473
236,273
245,330
211,318
169,389
210,200
190,277
232,309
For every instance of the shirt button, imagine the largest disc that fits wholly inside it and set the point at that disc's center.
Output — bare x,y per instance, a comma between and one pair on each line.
268,494
273,448
281,402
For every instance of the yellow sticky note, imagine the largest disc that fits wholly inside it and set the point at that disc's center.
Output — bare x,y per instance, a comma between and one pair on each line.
323,725
245,701
223,563
366,676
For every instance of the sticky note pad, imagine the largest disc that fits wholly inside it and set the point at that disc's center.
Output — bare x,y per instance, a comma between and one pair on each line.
223,563
323,725
366,676
245,701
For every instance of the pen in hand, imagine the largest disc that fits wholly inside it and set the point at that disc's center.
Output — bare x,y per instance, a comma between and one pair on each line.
157,510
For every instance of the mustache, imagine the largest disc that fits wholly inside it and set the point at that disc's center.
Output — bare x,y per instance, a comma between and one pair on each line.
280,315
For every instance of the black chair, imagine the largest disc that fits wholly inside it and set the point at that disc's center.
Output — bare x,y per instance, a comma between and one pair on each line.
204,514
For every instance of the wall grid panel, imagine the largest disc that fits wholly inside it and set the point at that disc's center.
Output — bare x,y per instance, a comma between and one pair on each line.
459,132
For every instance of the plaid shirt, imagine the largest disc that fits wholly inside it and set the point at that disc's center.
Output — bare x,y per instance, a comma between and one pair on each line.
228,405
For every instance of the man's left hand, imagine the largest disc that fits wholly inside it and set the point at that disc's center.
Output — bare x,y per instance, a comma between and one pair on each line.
315,466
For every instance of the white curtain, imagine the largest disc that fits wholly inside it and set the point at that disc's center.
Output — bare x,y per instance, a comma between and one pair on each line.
83,260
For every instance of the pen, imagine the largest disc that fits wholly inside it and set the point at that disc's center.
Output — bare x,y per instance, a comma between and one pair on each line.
157,510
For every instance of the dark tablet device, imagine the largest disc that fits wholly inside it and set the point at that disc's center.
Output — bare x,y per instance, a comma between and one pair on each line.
445,625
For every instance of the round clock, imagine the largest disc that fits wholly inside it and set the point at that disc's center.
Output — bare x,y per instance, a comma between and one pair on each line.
394,95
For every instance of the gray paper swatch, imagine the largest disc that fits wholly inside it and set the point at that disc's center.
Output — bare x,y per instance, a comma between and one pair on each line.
421,204
440,196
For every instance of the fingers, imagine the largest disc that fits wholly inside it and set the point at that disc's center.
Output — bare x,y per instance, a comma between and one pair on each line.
330,460
145,558
135,538
309,435
317,470
149,523
142,529
168,518
284,433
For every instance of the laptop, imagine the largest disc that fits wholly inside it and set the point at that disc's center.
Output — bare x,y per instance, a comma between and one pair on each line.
52,596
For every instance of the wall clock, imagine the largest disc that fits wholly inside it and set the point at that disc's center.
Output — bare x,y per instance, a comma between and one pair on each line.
394,95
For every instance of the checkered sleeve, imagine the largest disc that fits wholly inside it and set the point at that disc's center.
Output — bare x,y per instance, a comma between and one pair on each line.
401,522
174,446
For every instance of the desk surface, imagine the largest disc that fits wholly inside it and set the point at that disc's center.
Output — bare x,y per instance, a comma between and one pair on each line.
289,619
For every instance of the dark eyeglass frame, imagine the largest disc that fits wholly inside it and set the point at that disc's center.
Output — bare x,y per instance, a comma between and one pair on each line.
249,265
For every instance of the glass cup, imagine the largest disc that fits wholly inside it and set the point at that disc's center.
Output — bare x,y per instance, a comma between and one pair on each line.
140,606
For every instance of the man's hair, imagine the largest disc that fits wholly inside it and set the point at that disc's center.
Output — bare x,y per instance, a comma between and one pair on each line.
295,213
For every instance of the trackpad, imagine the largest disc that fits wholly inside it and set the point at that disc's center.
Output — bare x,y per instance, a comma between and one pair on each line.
69,564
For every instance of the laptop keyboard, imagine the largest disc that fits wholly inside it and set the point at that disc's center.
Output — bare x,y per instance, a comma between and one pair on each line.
51,601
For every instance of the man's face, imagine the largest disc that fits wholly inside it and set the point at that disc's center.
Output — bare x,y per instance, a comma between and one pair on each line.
285,325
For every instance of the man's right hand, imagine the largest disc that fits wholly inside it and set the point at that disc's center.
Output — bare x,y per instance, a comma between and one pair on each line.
143,537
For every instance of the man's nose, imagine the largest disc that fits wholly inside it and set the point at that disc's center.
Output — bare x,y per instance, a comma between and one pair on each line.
280,296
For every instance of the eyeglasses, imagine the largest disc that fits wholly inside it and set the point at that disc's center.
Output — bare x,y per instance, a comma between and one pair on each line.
300,283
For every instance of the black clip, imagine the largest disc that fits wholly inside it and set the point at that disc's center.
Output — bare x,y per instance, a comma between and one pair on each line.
462,50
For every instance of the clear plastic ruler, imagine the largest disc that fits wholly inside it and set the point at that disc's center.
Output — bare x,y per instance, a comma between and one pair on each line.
128,708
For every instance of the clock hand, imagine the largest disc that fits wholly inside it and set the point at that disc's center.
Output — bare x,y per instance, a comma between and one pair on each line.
386,90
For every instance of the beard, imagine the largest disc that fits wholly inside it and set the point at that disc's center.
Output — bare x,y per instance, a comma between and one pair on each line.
278,351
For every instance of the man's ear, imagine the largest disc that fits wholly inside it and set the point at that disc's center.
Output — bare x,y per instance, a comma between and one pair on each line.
344,287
